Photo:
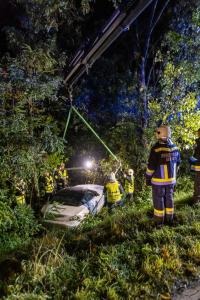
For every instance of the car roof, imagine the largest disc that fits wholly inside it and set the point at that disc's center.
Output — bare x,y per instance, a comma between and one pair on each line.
81,188
94,187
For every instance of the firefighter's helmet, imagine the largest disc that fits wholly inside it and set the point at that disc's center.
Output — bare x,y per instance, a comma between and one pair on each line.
62,166
112,177
163,133
130,172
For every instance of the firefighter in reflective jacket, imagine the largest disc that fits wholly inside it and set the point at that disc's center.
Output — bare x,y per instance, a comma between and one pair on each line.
113,191
61,177
20,191
195,166
129,184
161,174
48,185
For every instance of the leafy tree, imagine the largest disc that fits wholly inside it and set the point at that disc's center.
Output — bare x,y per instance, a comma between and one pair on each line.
177,102
38,45
121,84
31,72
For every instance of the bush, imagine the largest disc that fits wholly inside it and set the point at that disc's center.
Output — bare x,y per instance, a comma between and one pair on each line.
116,256
184,183
17,226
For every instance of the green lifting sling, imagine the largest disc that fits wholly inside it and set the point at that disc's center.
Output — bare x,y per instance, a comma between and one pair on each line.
72,108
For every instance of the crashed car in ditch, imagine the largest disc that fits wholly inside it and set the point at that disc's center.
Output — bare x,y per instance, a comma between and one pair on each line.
69,206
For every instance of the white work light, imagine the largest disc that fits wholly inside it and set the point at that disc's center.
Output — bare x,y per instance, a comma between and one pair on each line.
88,164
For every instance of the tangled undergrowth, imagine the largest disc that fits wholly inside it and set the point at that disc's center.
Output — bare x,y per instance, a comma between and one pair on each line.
118,256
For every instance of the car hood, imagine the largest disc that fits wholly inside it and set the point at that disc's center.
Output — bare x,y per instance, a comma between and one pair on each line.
64,211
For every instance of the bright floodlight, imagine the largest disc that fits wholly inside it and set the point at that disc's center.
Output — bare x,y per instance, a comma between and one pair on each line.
88,164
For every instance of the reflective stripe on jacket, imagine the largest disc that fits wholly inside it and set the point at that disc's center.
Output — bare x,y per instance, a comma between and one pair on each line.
195,167
129,184
20,193
20,199
49,184
61,174
61,177
163,161
113,191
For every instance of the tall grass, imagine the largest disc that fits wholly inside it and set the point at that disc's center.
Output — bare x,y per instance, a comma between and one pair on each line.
118,256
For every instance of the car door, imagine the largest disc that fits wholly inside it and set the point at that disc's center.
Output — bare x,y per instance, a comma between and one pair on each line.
96,202
88,200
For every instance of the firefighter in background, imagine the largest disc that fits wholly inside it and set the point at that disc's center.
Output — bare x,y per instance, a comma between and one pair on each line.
20,191
195,166
113,192
61,177
48,185
161,174
129,184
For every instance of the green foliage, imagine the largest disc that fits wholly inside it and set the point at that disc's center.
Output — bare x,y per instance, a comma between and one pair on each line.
131,151
86,4
17,226
177,104
31,142
6,218
49,268
29,87
37,61
124,138
116,256
184,183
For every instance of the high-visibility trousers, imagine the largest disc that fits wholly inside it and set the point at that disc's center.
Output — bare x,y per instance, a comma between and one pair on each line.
163,202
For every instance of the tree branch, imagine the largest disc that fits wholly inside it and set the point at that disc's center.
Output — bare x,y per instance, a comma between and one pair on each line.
150,31
160,14
152,26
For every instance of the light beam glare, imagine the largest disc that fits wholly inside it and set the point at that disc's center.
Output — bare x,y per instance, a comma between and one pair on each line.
88,164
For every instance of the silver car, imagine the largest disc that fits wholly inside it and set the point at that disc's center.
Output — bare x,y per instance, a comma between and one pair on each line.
69,206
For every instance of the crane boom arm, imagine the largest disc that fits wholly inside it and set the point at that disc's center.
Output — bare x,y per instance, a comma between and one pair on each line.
119,22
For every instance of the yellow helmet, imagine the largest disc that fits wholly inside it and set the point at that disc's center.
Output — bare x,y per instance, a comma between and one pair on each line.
62,165
163,133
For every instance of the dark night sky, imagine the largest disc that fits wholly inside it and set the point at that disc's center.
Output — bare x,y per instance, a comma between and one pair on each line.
9,14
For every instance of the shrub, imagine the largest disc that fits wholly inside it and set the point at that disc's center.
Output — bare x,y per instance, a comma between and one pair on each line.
17,226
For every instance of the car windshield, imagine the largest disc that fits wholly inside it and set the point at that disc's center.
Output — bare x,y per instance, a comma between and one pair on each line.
72,197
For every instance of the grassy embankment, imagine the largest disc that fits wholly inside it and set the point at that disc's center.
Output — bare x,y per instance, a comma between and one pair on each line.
122,256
